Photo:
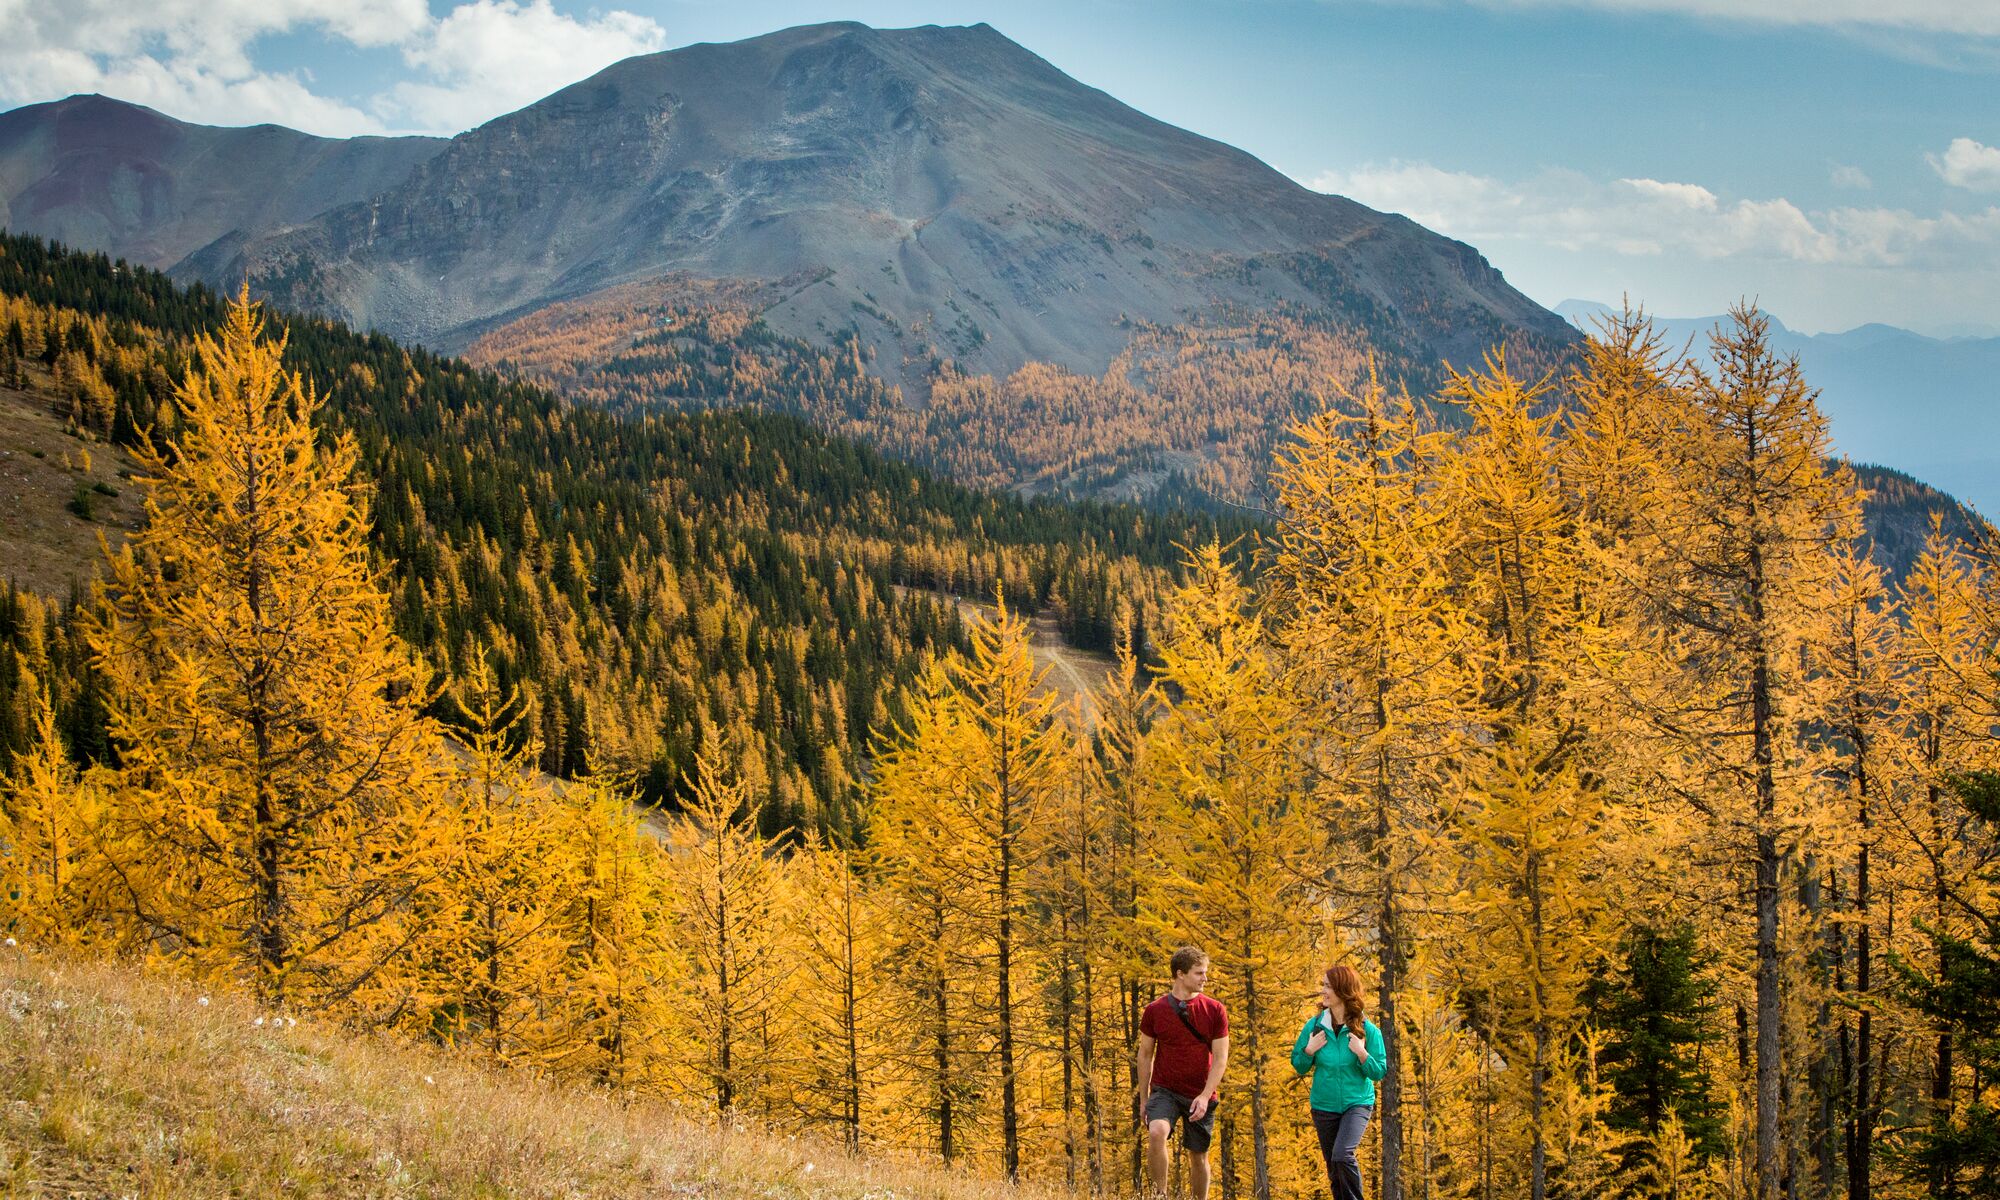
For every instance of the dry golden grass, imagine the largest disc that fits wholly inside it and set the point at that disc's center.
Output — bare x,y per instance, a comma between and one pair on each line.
116,1082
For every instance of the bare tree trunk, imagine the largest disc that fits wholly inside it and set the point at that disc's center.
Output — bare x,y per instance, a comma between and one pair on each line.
1260,1138
1822,1080
1941,1070
1857,1056
1861,1125
1228,1171
1538,1075
1093,1118
1391,933
1010,1122
1131,999
849,1024
941,1063
1770,1001
267,840
1066,988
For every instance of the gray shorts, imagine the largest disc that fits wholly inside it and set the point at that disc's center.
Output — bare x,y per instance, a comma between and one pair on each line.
1163,1105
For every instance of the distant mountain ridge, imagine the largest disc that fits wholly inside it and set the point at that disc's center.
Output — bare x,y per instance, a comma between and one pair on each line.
1927,406
942,192
102,174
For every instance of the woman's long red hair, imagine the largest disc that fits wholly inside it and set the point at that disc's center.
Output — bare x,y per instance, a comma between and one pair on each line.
1346,984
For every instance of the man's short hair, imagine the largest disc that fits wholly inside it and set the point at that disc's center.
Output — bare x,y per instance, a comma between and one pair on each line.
1186,959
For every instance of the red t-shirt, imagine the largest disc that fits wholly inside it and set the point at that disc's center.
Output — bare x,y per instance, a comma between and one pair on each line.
1180,1061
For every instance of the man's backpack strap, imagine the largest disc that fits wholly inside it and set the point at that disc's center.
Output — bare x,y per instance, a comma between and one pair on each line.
1181,1011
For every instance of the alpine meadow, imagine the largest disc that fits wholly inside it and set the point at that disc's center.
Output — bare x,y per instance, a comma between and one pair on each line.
524,670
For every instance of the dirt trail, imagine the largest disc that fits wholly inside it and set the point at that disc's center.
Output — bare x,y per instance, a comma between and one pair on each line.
1072,674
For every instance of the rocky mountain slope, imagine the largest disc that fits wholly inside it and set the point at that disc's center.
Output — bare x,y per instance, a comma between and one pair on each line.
942,191
102,174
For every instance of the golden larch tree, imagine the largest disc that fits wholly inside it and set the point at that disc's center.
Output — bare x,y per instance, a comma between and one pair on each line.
616,925
1364,603
280,787
1244,857
1948,650
1533,809
1730,562
931,968
836,990
500,944
54,879
1010,748
728,925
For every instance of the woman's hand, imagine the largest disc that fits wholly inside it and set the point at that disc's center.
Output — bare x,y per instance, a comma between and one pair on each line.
1358,1046
1316,1042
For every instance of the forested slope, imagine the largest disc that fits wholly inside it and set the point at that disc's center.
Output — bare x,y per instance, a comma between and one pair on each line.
635,574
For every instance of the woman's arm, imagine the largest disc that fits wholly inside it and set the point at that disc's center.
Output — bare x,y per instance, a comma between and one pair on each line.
1302,1055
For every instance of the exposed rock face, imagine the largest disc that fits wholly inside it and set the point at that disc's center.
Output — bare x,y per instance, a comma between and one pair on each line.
941,190
101,174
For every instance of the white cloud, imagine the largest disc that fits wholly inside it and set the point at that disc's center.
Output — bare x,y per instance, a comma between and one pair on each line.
1968,164
1679,195
1978,18
1647,218
194,59
493,56
1850,177
189,58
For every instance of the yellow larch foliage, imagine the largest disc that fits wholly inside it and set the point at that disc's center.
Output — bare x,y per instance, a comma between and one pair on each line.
55,889
835,994
279,794
1363,605
1729,562
934,976
1533,810
727,905
1008,747
1243,865
500,948
611,1017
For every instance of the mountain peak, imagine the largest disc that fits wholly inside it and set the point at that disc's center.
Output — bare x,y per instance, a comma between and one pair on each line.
932,192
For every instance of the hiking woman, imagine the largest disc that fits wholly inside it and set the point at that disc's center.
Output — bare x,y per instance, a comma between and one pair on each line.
1344,1054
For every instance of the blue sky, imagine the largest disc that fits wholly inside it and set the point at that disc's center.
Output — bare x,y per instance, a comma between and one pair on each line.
1834,159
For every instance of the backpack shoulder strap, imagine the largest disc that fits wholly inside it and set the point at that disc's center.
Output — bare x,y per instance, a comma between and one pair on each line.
1182,1013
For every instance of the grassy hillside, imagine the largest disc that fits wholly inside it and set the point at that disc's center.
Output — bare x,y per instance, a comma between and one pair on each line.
57,490
116,1082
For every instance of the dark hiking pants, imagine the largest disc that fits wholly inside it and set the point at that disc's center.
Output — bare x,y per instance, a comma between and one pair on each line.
1339,1133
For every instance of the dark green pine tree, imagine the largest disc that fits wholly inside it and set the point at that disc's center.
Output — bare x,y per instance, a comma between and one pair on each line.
1658,1006
1956,1154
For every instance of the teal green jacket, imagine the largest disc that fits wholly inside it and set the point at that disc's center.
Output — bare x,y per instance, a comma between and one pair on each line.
1340,1080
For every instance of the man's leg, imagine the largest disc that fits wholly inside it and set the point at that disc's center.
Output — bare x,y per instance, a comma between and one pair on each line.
1195,1137
1198,1174
1156,1154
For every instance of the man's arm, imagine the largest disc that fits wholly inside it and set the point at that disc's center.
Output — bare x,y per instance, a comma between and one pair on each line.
1218,1059
1143,1072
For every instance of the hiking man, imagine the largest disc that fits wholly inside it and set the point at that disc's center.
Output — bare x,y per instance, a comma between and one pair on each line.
1183,1048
